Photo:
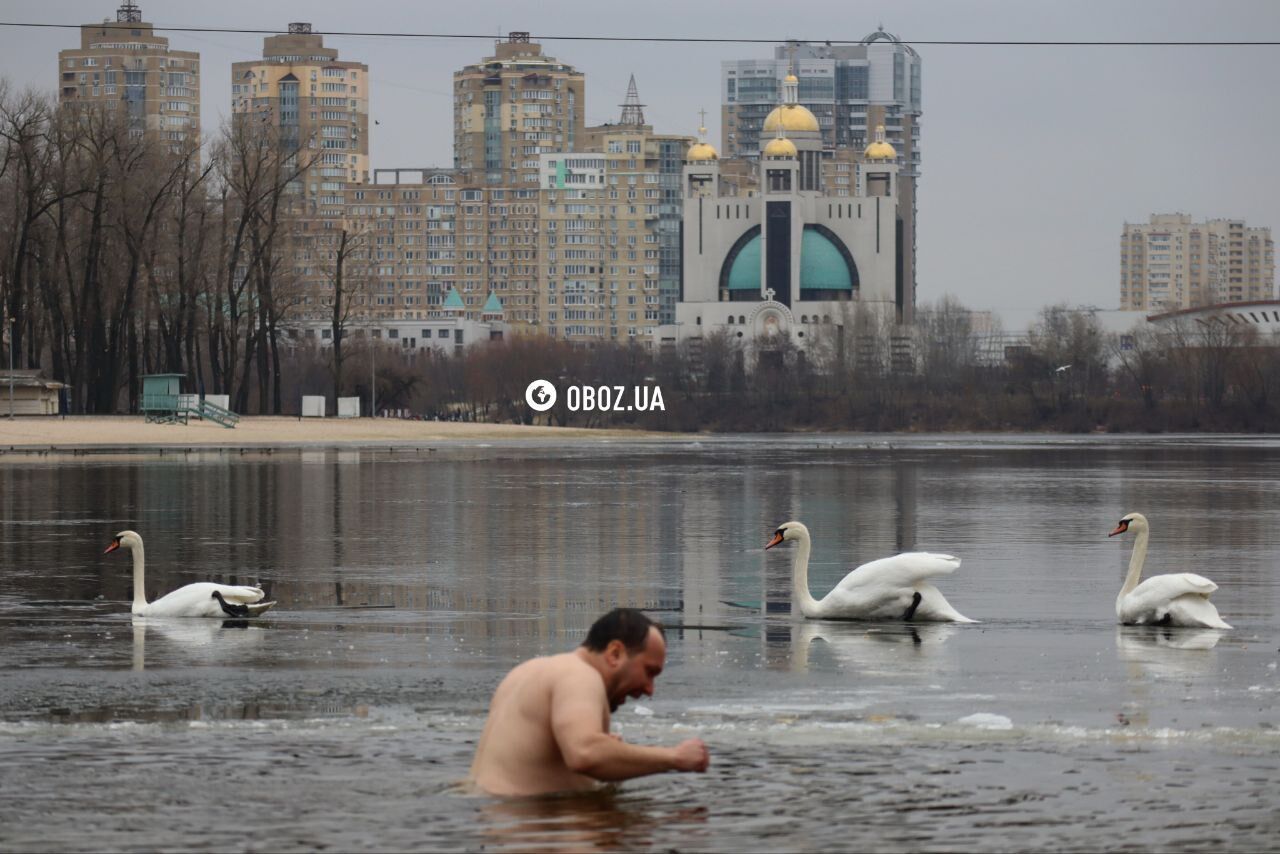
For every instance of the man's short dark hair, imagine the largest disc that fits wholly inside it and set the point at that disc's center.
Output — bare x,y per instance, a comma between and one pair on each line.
622,624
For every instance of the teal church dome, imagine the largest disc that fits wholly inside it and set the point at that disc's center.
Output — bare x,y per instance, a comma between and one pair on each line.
825,264
744,275
822,264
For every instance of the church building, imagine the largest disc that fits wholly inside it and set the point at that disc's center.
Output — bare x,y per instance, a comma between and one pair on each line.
793,256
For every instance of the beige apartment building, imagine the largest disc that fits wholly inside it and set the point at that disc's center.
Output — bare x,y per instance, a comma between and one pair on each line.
416,245
318,104
609,217
123,62
512,107
1173,263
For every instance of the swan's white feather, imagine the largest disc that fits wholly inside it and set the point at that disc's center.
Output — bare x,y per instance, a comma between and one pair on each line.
196,600
193,600
881,589
901,570
1176,599
1179,599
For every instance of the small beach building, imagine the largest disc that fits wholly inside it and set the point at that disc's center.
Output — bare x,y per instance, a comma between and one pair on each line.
32,395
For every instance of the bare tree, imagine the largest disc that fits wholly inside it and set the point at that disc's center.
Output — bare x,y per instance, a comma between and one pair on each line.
1142,357
947,345
351,280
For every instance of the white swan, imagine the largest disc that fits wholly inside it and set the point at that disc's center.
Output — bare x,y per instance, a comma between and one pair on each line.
1180,599
202,599
892,588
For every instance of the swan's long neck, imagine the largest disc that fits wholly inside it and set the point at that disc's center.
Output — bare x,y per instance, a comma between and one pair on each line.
800,578
139,578
1136,560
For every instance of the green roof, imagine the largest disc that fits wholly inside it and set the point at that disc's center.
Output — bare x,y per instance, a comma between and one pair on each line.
453,300
745,273
492,305
822,266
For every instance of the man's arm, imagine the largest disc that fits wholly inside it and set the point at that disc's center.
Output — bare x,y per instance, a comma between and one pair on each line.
578,704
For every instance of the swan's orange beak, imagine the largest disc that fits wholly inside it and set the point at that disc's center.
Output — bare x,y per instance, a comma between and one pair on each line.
777,538
115,544
1120,529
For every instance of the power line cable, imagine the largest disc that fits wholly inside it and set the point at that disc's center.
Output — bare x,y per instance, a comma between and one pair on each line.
690,39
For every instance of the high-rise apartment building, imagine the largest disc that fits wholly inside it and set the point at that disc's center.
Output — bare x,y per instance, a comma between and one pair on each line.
1171,263
512,107
123,62
645,171
422,249
319,106
849,90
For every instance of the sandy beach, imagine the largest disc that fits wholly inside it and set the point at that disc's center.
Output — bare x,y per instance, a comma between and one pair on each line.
126,432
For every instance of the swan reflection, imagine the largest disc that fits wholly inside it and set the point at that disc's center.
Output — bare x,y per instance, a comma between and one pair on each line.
877,649
1167,652
187,641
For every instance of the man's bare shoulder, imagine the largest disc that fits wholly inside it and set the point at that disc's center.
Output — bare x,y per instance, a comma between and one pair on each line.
547,665
566,668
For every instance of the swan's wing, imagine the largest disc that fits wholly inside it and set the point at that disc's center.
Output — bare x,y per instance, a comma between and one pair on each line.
196,600
1196,612
240,595
900,571
1159,590
1165,588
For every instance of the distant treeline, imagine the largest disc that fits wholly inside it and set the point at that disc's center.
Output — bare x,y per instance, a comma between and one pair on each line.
122,253
860,375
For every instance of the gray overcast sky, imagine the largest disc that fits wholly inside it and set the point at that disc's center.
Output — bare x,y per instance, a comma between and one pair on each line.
1033,157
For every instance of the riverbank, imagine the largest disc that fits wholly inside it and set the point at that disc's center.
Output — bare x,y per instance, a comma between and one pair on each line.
130,432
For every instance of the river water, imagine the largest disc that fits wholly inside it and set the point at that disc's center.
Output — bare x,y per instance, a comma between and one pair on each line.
411,579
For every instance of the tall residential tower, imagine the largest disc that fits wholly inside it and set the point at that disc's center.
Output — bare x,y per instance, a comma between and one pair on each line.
124,62
512,107
1173,263
318,104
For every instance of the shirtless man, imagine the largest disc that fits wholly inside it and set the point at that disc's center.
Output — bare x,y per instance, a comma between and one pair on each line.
548,727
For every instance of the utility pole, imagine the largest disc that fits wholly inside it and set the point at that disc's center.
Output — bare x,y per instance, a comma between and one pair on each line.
8,328
373,381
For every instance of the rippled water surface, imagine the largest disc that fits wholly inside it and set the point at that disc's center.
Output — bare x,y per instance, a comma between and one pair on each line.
410,580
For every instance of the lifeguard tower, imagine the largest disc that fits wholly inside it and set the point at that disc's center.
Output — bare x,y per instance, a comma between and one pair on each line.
164,403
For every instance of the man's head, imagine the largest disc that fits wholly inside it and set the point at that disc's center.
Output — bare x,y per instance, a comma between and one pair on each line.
631,649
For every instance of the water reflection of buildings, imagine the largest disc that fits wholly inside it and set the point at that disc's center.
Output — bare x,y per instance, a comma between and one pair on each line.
553,543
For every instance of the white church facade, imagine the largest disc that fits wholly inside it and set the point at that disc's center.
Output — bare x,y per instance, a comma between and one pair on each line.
793,255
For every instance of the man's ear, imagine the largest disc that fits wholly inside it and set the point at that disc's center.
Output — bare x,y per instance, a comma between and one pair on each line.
615,652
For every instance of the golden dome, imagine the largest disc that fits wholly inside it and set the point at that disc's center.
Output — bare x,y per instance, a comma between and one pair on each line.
791,78
780,147
792,117
879,149
701,151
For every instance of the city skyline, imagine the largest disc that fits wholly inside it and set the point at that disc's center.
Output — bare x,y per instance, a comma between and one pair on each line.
1036,155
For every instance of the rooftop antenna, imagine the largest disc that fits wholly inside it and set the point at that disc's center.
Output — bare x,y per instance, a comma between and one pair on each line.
632,109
